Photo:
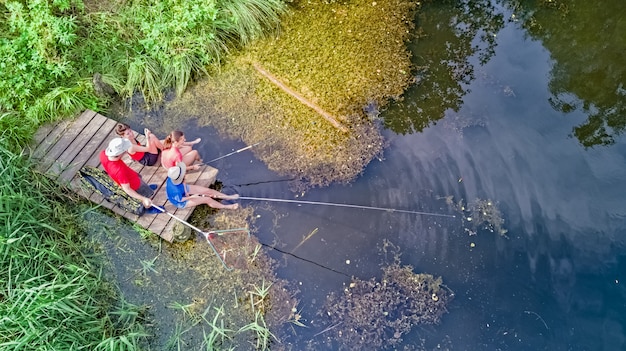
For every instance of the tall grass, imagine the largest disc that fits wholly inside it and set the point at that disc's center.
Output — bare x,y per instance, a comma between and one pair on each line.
52,296
165,44
51,49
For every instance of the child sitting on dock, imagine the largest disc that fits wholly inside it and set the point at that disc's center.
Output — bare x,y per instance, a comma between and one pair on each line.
147,155
177,149
184,195
129,180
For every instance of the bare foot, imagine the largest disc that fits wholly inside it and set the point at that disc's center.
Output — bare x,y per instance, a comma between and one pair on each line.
233,207
231,197
194,167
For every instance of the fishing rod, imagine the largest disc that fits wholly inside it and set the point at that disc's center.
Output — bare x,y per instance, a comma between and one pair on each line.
207,235
347,205
232,153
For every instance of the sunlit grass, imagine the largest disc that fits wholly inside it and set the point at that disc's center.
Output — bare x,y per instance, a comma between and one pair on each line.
53,296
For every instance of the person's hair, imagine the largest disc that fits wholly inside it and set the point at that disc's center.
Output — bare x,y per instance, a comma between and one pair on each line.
120,128
171,138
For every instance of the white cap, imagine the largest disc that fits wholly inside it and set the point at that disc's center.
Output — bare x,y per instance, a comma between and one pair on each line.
177,173
117,146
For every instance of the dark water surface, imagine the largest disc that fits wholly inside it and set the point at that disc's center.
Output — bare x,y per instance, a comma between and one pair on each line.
509,125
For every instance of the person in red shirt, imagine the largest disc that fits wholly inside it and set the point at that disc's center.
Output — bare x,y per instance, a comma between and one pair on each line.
126,177
177,149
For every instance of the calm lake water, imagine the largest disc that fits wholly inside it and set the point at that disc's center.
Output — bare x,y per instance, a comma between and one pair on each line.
517,121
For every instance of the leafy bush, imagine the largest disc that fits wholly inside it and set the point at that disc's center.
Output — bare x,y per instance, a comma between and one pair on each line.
49,50
35,56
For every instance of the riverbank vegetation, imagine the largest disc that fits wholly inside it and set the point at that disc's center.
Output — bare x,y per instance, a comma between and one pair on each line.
191,300
53,296
56,59
51,51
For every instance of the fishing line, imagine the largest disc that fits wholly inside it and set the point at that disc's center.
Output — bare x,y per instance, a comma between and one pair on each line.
220,232
305,259
347,205
266,182
232,153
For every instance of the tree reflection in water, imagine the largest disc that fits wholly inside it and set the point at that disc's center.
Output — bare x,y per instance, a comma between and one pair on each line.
459,30
587,42
585,39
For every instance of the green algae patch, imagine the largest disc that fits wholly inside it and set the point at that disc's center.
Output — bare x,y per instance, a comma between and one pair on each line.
189,300
303,92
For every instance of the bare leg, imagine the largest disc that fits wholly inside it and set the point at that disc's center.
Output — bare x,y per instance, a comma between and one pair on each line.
200,190
190,158
155,144
209,201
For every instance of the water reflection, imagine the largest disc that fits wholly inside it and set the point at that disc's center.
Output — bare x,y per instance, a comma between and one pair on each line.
450,32
557,281
586,41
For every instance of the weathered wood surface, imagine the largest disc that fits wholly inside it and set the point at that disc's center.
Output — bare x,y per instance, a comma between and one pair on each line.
62,149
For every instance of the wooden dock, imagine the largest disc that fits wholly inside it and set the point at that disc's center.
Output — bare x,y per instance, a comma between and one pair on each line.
62,149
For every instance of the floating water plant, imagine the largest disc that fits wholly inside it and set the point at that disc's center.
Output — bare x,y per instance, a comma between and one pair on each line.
479,214
303,91
375,315
263,334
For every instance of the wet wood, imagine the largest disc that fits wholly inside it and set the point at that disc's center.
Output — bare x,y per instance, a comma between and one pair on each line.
63,148
327,116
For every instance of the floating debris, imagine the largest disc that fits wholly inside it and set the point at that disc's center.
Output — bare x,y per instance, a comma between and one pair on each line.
374,315
479,214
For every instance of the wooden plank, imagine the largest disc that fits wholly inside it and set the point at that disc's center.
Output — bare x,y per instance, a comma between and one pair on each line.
55,134
92,147
42,133
94,160
65,147
66,139
76,149
207,177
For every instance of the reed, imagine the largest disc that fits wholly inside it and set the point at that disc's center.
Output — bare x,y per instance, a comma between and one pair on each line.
263,335
218,331
248,19
53,296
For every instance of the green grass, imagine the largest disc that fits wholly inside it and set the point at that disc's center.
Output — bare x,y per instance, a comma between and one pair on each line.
53,296
51,50
262,333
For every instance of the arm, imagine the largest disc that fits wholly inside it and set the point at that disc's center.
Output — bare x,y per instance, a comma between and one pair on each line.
128,190
142,148
190,143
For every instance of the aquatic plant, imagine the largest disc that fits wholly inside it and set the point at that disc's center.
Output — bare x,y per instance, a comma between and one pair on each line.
374,315
479,214
262,333
217,330
339,58
258,297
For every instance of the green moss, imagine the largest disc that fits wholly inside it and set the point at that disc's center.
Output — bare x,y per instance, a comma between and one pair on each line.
340,57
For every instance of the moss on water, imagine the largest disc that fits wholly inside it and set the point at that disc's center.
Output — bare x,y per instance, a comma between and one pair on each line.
341,57
184,288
